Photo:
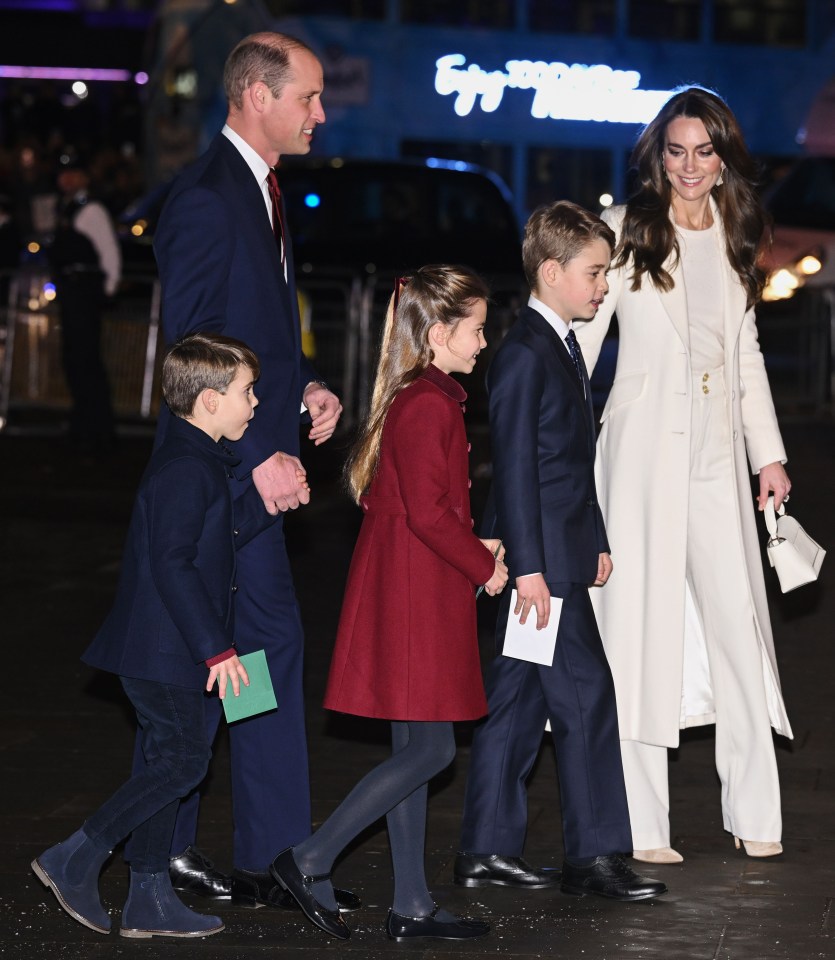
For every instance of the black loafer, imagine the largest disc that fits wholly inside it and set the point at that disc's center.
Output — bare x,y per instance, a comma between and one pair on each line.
193,872
609,877
253,890
473,871
401,928
287,875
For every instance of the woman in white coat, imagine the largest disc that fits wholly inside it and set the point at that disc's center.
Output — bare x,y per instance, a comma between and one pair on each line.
684,618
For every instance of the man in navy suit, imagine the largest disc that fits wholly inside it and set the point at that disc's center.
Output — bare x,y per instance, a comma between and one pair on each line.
546,512
226,264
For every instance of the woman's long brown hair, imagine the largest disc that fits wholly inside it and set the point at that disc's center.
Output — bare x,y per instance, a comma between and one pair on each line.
648,235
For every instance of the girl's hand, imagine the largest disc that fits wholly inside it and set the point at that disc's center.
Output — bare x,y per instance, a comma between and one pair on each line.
497,582
773,479
493,546
228,671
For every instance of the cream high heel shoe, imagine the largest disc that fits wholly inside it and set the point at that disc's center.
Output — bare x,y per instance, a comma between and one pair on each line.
759,848
658,855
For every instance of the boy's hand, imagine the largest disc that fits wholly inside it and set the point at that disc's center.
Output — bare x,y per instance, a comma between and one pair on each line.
493,546
604,569
226,672
497,582
533,593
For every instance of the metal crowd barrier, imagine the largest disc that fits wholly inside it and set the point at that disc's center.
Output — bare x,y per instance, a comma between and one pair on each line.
345,314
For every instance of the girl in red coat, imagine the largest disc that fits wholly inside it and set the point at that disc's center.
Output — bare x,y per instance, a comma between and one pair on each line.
407,648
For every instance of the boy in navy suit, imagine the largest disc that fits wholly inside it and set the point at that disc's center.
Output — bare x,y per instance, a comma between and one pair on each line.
546,512
169,637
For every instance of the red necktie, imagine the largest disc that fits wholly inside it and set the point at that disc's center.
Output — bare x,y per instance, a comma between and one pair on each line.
278,223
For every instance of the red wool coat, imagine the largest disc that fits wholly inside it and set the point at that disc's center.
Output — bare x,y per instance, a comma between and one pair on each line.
407,646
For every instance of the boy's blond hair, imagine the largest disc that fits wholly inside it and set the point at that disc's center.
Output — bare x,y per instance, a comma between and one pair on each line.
202,361
559,231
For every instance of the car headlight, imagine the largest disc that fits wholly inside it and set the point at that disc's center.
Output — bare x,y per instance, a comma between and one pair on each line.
783,282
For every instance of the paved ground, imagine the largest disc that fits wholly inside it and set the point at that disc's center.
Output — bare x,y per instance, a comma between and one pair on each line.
66,738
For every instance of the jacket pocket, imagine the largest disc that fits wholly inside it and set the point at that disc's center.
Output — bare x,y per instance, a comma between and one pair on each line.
625,389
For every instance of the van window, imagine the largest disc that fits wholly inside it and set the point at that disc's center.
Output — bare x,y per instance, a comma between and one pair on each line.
805,197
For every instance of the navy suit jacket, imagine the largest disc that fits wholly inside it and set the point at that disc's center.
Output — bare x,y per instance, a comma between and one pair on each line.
173,607
221,271
542,437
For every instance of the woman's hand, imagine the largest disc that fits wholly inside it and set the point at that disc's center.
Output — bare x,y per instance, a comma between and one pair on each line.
773,479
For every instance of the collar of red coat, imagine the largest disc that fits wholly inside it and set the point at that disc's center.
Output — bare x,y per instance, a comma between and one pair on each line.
444,382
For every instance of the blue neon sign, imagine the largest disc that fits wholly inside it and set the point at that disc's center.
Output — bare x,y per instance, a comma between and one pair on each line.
561,92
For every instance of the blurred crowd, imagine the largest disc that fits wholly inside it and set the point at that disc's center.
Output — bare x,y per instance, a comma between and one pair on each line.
41,121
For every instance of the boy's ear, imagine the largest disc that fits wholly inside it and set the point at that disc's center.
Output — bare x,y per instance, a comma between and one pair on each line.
549,271
207,400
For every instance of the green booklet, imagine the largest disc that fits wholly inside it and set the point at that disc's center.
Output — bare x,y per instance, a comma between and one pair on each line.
258,697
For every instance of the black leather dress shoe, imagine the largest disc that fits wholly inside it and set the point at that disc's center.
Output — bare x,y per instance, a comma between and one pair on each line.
472,871
287,874
193,872
253,890
401,928
609,877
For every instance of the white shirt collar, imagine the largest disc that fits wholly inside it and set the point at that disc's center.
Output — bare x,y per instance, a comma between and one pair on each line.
259,167
559,325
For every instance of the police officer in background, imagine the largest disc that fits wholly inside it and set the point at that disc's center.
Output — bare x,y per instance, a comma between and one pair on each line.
87,264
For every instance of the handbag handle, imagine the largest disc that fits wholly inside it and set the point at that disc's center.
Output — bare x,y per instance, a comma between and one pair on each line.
771,517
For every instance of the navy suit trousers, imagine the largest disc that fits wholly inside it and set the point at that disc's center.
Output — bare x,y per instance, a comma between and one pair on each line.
577,694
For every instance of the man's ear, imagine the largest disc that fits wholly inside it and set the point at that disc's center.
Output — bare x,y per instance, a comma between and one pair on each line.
258,94
438,334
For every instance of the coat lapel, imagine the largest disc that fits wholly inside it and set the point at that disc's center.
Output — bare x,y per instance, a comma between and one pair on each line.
675,303
545,331
264,246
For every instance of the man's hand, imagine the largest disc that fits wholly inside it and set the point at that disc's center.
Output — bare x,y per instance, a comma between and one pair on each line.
773,479
278,481
324,408
532,592
226,672
604,569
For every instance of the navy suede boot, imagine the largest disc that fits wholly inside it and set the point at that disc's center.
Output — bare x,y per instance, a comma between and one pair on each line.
153,909
71,870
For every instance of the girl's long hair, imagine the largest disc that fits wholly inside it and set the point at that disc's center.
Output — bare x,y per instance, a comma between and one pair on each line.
432,294
648,235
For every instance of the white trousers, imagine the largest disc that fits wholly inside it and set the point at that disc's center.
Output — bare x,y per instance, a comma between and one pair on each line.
745,759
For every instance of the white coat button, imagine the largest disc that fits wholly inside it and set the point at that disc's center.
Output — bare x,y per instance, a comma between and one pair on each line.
736,434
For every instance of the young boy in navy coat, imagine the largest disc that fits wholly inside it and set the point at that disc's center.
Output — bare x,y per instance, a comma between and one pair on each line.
168,637
542,438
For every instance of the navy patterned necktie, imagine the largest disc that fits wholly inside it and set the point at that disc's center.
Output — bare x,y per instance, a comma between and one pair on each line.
576,356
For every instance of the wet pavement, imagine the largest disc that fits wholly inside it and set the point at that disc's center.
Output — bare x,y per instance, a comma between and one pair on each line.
66,736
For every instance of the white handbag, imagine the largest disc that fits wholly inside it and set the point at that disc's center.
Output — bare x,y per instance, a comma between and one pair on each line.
791,551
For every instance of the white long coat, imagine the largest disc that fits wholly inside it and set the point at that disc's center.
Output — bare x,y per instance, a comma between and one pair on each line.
642,472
